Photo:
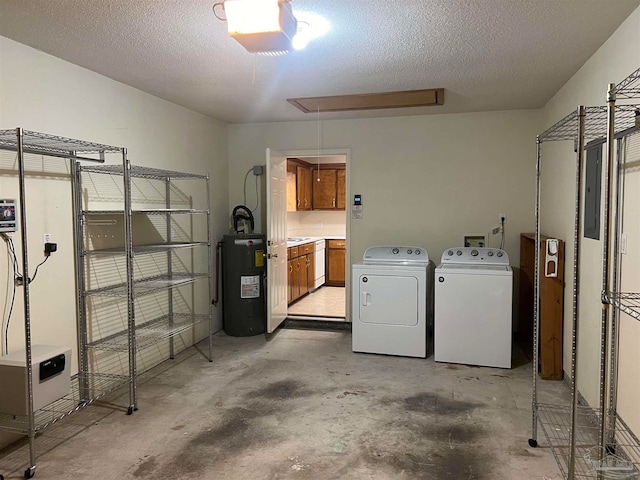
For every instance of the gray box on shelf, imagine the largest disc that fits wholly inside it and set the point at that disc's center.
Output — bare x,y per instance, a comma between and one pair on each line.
51,378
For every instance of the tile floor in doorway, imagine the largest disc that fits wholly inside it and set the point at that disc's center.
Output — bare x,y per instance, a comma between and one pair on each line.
301,405
323,302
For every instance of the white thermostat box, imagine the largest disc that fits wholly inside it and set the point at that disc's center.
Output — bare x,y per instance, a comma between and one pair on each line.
51,379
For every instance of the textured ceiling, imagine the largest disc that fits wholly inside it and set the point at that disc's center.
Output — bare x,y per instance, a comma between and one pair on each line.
487,54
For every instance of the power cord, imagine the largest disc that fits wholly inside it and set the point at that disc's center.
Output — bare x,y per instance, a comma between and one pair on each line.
14,263
252,169
18,279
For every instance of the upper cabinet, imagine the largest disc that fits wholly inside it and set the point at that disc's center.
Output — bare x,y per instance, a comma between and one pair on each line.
299,185
310,188
303,187
341,189
329,187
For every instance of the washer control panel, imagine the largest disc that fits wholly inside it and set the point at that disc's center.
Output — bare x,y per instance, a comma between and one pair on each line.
485,256
395,254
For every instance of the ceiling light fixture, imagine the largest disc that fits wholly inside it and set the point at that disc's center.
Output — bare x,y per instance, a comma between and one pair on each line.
260,26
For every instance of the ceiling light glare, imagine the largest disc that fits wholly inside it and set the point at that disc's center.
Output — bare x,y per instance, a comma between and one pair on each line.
252,16
310,27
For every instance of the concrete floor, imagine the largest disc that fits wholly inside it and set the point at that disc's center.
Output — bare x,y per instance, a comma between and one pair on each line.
301,405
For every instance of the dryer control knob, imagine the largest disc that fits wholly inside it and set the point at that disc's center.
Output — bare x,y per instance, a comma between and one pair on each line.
395,251
499,254
490,253
459,252
474,253
418,251
450,252
409,251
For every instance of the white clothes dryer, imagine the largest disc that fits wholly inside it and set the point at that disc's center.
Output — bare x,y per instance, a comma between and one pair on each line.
393,302
473,307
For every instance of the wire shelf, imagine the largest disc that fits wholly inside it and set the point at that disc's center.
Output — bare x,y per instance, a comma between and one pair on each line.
149,285
154,211
150,333
96,386
43,143
628,303
140,172
620,460
595,124
142,249
629,87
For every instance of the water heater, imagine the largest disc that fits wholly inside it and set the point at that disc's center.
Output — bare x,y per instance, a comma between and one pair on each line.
244,309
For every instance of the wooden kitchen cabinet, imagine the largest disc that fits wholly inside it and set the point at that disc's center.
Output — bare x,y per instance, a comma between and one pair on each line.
329,193
301,270
299,188
303,187
341,196
290,280
311,270
336,261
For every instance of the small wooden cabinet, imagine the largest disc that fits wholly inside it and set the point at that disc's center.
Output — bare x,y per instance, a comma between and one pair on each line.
551,304
329,192
301,270
336,263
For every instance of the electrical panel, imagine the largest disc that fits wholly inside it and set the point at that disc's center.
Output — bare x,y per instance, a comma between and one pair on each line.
8,215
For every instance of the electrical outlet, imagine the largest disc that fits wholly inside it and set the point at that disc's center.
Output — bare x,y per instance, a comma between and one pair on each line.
502,218
46,238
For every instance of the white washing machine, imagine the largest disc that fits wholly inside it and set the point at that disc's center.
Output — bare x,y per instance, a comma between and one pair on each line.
473,298
393,302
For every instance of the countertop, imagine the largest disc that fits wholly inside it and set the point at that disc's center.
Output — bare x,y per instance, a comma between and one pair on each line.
302,240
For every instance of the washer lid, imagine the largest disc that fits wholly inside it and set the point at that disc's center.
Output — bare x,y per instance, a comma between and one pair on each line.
390,254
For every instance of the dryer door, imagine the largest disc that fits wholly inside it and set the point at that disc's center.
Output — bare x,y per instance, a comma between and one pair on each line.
388,299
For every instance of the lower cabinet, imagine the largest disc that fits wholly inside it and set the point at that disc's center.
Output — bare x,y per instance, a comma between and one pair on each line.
301,270
336,258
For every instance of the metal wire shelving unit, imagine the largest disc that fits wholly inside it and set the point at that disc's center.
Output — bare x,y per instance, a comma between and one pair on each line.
97,386
154,194
86,387
587,442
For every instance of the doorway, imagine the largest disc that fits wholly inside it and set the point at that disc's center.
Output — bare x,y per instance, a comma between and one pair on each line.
317,234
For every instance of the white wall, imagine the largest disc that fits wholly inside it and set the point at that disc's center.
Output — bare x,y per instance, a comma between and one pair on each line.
41,93
616,59
424,180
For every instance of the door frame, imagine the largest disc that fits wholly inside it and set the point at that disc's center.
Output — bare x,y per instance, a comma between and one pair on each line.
326,153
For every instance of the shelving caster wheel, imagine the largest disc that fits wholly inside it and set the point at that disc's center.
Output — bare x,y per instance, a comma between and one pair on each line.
533,443
30,472
131,409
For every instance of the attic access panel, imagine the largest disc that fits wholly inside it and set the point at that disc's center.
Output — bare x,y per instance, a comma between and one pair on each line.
369,101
